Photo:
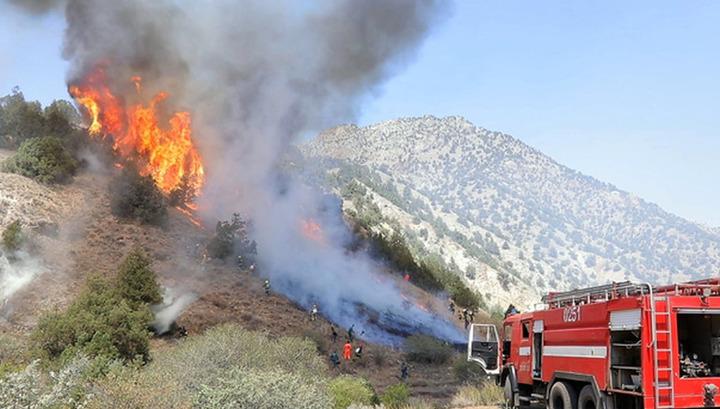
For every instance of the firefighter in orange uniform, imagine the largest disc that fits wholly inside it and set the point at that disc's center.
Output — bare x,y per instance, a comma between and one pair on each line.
347,351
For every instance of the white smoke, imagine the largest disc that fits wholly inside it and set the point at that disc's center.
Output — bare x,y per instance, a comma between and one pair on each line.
16,274
256,75
174,303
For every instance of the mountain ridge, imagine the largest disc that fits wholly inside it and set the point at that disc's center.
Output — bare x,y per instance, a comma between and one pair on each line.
578,229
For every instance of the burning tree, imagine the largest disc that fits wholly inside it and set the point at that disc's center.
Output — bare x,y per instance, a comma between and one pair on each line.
162,150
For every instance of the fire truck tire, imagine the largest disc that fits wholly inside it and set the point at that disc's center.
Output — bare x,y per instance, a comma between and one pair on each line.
587,398
508,395
562,396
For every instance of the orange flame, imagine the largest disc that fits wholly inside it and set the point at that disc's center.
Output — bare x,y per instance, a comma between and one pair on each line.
312,230
166,152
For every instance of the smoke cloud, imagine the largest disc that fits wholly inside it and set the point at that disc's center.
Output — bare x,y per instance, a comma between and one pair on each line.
16,274
257,76
38,6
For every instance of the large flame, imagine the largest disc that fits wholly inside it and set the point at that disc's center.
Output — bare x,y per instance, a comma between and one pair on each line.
164,151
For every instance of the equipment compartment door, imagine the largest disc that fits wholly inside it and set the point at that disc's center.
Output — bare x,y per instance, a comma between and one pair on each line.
483,347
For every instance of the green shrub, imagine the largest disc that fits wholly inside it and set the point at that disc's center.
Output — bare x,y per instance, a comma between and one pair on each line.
231,238
32,388
395,396
99,323
347,390
227,346
468,372
12,237
321,340
136,281
133,196
19,120
205,364
43,159
396,250
486,394
426,349
262,389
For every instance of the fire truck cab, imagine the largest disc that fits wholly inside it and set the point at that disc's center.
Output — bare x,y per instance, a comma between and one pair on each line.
616,346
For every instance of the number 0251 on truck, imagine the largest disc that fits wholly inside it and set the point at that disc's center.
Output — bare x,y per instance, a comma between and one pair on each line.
616,346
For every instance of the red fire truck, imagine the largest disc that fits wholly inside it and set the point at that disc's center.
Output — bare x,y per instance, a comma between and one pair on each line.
616,346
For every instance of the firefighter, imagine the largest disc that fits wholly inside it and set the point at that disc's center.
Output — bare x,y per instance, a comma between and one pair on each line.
467,322
333,334
511,310
471,315
347,350
313,312
465,314
359,351
335,359
452,307
351,333
266,286
404,371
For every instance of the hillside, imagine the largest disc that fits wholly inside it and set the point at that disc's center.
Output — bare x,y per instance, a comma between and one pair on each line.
512,220
76,235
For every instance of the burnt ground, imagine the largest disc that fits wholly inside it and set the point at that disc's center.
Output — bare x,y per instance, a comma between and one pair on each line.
91,240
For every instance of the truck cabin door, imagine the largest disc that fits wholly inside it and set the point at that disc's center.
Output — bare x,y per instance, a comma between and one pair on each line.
524,362
483,347
538,327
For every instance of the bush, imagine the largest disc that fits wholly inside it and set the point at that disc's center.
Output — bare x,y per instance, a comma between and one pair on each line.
19,120
12,237
99,323
231,237
321,340
468,372
43,159
106,320
396,250
426,349
133,196
395,396
31,388
486,394
136,281
201,367
347,390
12,354
258,389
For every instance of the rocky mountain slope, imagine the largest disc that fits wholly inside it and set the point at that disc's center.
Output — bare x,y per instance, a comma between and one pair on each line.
512,220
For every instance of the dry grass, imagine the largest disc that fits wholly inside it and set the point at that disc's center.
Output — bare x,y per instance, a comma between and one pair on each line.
484,395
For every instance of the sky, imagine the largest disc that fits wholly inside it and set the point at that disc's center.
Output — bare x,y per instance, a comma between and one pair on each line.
624,91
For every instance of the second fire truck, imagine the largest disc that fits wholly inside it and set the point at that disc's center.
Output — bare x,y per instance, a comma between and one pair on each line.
617,346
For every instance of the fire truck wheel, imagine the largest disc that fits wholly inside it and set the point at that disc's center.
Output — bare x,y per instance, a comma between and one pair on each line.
587,398
508,394
562,396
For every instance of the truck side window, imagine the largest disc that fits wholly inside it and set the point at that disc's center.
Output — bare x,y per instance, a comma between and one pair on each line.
526,329
507,341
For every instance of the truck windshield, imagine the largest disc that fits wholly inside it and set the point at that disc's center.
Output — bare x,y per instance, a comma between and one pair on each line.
485,334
